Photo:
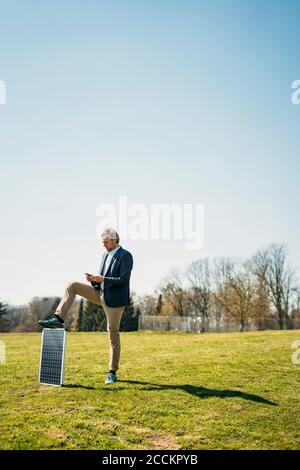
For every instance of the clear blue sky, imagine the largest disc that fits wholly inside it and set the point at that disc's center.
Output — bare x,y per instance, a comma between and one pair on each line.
161,101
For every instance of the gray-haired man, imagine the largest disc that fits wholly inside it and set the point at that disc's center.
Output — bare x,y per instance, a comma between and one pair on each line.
110,289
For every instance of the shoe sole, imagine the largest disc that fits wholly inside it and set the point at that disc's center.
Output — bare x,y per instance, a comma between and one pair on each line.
51,327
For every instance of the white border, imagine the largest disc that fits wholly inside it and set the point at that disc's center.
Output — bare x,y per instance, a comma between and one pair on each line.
63,359
42,341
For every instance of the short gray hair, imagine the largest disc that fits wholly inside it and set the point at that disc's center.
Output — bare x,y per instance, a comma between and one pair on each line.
110,233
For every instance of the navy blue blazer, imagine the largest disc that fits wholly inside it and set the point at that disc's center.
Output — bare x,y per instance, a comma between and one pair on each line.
117,278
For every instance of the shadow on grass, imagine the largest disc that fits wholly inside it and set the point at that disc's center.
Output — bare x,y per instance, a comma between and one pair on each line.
202,392
78,386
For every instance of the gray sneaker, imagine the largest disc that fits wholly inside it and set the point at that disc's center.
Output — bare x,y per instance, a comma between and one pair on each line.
52,322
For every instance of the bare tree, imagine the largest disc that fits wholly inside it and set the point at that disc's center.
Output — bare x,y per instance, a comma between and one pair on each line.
147,304
261,306
241,294
295,308
234,290
38,308
221,272
270,267
175,294
200,294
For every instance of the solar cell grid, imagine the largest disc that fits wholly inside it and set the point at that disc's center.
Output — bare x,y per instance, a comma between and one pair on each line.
52,356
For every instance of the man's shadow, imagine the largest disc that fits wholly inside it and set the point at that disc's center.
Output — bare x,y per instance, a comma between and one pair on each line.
78,386
202,392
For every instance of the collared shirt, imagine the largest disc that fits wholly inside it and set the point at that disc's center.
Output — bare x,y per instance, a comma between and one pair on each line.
107,262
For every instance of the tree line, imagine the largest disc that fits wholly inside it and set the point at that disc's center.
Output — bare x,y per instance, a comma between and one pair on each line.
83,316
260,290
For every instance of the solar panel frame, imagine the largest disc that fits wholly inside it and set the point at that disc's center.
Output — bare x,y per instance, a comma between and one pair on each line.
53,348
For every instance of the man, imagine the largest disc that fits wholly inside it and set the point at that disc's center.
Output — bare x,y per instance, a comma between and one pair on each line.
110,288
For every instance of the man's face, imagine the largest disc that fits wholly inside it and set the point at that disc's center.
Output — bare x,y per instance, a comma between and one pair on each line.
109,244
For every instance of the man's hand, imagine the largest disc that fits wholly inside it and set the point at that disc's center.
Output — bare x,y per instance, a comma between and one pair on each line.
96,278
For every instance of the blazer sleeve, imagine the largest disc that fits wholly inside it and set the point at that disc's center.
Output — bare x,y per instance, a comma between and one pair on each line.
126,264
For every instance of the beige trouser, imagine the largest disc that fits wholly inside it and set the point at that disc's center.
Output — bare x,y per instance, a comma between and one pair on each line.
113,315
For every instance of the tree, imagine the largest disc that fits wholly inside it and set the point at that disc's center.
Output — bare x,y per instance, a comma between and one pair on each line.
200,295
270,268
94,318
174,293
295,309
37,309
261,316
241,292
130,318
234,290
138,313
159,305
80,316
4,323
221,271
147,305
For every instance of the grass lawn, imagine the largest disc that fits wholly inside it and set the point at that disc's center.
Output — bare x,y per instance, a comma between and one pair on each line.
175,391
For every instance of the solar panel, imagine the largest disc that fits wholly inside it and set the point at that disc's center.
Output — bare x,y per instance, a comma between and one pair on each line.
52,359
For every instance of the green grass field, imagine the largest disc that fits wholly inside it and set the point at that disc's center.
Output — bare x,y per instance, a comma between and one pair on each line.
175,391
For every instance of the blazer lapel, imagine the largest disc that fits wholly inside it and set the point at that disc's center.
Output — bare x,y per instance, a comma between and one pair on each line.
105,255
